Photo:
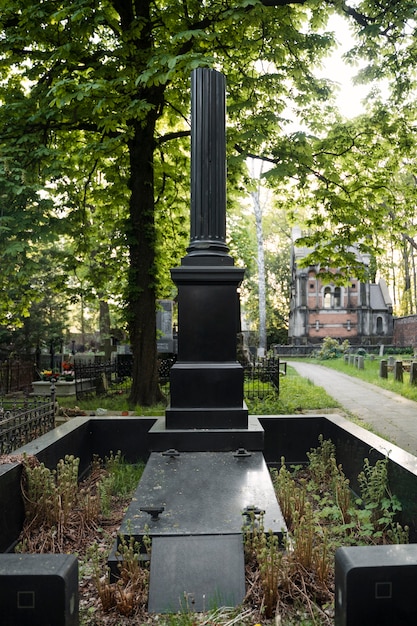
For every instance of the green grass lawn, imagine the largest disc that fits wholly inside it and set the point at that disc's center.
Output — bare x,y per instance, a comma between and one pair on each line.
296,395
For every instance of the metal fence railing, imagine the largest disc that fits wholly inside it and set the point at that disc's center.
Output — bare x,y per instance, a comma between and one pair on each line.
22,422
94,377
261,379
102,378
16,375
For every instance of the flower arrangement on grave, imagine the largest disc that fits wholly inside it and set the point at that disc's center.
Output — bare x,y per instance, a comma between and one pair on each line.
67,373
48,375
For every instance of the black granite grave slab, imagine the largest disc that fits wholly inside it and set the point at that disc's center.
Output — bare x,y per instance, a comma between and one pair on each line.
38,590
202,493
196,573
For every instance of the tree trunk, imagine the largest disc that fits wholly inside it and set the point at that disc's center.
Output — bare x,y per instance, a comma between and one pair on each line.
256,201
141,237
104,320
407,280
104,327
82,319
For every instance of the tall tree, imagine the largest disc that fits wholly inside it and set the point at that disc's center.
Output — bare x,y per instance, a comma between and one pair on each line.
112,78
116,72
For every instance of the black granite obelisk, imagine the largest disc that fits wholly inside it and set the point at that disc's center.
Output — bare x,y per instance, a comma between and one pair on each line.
207,380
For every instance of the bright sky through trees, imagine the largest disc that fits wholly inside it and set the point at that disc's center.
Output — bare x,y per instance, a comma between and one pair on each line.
350,96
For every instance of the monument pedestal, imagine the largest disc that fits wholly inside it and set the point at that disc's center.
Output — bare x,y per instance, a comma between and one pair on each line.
202,439
207,380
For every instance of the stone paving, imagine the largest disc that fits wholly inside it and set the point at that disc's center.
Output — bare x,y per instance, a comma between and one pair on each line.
391,416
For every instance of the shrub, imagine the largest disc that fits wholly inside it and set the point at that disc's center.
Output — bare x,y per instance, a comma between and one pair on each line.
331,349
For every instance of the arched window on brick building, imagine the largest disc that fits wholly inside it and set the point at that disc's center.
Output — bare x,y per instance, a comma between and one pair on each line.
327,298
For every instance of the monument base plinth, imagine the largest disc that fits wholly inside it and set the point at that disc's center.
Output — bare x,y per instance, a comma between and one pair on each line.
208,385
207,418
250,437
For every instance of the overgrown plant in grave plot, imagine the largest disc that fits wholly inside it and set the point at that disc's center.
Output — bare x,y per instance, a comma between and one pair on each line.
59,511
263,557
290,584
129,593
322,514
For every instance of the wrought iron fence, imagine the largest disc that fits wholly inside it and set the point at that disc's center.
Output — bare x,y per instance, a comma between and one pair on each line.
93,377
22,422
111,377
16,375
261,379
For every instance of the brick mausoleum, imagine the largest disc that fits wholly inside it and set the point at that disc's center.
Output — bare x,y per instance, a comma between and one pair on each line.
358,311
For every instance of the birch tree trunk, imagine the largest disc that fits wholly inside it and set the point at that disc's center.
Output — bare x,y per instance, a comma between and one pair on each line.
257,208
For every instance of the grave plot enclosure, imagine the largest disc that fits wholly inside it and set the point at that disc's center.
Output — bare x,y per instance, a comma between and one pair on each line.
288,436
284,435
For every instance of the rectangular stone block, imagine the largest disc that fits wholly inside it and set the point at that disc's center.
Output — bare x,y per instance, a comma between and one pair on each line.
38,590
196,573
206,385
375,585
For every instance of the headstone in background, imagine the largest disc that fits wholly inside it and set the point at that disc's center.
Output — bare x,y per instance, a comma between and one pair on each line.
164,327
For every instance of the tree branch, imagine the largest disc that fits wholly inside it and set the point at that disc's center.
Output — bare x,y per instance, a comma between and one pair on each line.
360,18
281,3
251,155
173,135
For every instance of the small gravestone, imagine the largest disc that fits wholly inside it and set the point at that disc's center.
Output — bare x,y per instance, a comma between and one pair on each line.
361,362
165,336
413,373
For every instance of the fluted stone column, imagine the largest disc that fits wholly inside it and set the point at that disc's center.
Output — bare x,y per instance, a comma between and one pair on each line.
208,164
207,380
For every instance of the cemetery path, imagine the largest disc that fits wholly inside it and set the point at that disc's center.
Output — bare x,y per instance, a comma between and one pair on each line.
390,415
